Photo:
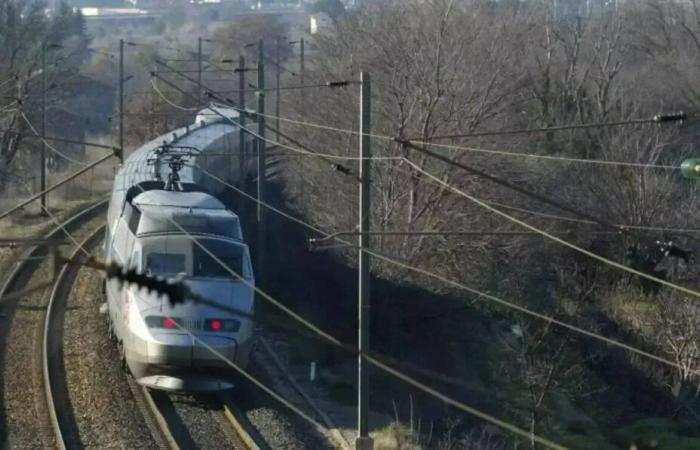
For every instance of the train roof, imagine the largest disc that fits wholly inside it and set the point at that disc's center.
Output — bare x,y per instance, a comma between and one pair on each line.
166,212
164,199
208,128
214,112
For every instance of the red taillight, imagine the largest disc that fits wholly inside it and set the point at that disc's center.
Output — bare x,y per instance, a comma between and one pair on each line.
168,322
215,325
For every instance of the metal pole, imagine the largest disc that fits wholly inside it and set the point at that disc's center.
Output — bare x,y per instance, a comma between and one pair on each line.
121,95
43,128
364,441
199,69
261,164
277,89
301,70
242,135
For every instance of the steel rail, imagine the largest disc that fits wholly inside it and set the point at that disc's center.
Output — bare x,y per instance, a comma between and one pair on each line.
28,262
32,253
241,425
155,420
61,415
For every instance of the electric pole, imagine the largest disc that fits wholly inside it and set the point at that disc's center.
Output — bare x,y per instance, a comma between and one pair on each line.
43,128
364,441
261,163
199,69
241,135
277,89
301,69
121,95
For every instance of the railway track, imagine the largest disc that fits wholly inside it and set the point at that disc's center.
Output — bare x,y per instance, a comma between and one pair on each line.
24,416
188,422
57,398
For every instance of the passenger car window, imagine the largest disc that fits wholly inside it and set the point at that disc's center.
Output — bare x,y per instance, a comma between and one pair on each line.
165,263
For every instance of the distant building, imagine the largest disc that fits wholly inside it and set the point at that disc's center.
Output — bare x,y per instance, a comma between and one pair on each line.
320,23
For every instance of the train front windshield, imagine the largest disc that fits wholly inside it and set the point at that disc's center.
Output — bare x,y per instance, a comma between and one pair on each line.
205,258
165,263
212,259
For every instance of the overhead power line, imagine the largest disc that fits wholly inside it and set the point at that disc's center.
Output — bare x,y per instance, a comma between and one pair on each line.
48,145
55,186
512,186
329,157
562,159
658,119
456,284
638,228
552,237
274,89
586,218
167,100
631,230
67,141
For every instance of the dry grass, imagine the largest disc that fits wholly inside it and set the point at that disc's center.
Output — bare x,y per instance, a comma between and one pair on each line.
396,436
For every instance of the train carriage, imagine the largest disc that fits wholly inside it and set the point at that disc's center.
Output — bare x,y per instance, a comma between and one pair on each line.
165,220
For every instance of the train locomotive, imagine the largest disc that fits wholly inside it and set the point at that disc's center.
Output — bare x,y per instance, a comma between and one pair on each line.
164,219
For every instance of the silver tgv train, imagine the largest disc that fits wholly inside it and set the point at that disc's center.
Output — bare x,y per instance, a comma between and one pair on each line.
171,228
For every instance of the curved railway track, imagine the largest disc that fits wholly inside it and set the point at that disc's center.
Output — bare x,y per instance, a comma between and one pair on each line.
57,398
169,419
24,413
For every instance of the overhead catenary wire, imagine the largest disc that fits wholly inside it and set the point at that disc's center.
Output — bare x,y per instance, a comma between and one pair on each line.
550,236
456,284
55,185
48,145
659,118
273,89
557,217
167,100
327,156
304,150
587,218
58,139
9,80
591,222
534,156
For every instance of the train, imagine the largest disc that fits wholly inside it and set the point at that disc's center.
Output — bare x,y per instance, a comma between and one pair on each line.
166,219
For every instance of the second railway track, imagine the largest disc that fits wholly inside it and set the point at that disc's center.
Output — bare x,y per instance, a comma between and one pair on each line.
24,416
57,398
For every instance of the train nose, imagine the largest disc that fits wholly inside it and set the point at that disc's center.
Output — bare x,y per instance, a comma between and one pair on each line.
186,350
213,351
171,349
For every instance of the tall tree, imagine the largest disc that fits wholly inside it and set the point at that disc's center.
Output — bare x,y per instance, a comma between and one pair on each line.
25,27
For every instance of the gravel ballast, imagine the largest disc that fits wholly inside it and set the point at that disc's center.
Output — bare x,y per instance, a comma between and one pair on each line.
105,411
25,416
